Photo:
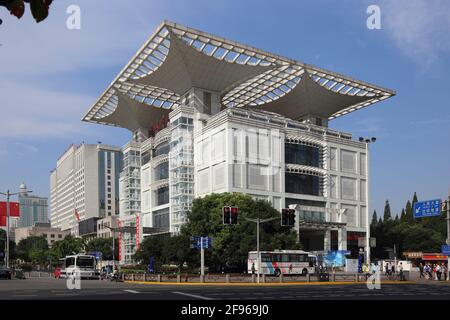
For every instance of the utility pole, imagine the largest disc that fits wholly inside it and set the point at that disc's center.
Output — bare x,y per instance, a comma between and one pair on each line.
258,222
367,142
8,196
448,236
202,258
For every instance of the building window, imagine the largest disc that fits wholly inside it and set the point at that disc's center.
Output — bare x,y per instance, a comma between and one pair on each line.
303,184
162,196
162,171
302,154
348,161
348,188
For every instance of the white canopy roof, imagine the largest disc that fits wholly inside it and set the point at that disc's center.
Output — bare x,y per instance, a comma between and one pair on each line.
177,58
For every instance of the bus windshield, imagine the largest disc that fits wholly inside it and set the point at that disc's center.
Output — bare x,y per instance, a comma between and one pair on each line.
85,262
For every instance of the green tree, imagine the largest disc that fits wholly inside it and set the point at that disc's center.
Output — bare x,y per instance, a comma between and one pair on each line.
39,8
104,246
33,249
409,213
387,217
68,246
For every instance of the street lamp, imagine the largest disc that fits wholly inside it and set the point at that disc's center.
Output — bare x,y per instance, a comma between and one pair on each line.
113,245
367,141
8,195
258,222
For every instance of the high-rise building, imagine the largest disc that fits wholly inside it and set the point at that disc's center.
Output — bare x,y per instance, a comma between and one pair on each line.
209,115
33,209
86,182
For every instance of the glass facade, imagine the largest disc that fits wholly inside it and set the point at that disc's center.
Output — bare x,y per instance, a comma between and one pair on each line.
162,171
303,184
32,210
161,218
302,155
162,196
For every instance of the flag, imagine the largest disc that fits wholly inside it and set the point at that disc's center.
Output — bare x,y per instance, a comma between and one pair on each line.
77,215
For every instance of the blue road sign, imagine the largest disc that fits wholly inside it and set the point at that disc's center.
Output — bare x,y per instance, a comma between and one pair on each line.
431,208
445,249
201,242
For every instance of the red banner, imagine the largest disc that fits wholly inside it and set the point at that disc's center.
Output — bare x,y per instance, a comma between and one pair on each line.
119,224
137,232
2,221
434,257
14,209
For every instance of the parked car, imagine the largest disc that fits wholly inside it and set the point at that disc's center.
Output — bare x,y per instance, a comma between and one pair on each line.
5,273
19,274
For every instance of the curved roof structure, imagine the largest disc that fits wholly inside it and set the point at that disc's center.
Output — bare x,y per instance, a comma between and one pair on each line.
176,58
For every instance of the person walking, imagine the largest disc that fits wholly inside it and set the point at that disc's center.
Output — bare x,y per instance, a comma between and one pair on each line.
421,269
444,271
388,269
400,270
365,270
438,272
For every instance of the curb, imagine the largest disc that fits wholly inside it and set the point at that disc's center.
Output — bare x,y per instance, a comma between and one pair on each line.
249,284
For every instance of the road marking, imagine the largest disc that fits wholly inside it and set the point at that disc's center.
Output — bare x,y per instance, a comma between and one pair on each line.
131,291
24,295
67,294
192,295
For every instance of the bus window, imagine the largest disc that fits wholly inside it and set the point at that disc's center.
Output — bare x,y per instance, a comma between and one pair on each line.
285,258
276,257
85,262
294,258
266,257
303,258
70,262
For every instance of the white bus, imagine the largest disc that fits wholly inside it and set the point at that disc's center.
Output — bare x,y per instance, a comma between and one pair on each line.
295,262
86,265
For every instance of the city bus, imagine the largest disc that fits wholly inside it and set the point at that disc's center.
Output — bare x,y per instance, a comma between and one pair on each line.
295,262
85,263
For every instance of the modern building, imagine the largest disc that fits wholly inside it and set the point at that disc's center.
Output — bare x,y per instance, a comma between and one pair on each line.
41,230
33,209
87,228
85,181
104,225
210,115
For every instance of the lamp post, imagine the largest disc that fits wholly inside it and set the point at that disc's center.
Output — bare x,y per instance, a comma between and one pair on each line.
113,244
367,141
8,195
258,221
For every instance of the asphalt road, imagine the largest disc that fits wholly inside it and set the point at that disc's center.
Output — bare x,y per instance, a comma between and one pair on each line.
54,289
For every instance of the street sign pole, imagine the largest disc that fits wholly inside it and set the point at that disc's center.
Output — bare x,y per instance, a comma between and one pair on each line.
257,247
202,257
7,228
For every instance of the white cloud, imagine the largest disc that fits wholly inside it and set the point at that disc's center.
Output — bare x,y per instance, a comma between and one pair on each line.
420,28
32,112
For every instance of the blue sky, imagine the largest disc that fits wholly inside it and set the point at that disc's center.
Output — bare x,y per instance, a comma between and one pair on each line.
50,76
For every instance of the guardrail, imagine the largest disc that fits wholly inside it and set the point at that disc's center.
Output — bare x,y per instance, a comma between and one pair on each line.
247,278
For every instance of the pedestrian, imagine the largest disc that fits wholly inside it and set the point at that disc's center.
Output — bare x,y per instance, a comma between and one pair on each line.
388,269
365,270
421,269
393,269
444,271
438,272
253,268
400,270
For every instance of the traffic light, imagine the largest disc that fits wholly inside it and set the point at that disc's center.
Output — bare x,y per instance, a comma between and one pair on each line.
291,217
287,217
226,215
284,217
234,215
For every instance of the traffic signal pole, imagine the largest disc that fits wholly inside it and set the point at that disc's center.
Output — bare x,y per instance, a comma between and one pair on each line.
258,253
202,258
